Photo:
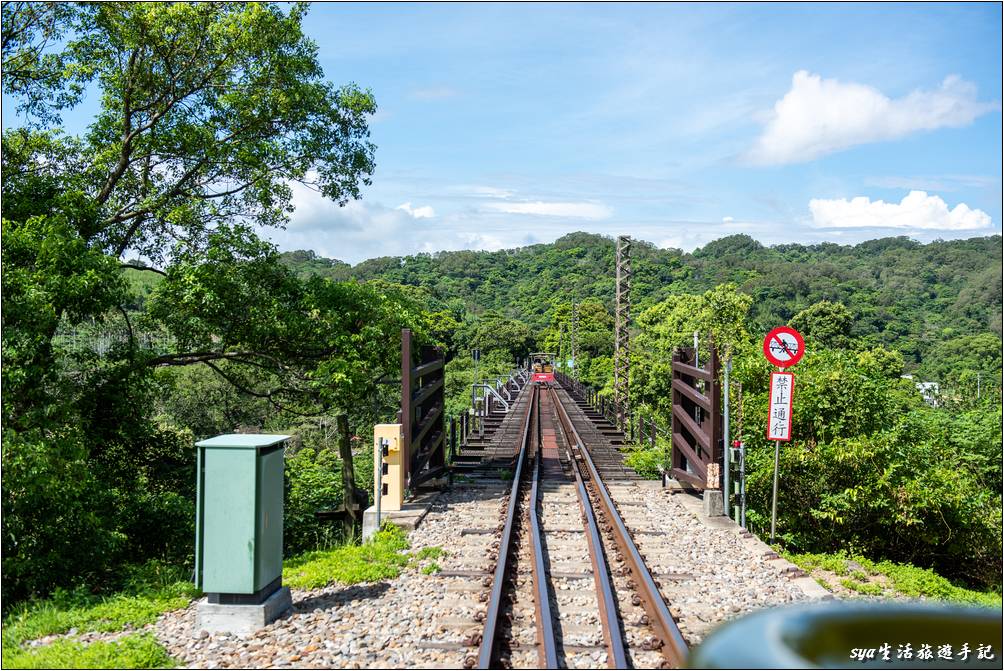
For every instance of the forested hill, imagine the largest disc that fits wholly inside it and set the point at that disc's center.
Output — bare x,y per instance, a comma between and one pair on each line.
921,299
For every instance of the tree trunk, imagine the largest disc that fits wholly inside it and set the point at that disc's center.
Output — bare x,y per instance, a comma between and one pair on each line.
348,476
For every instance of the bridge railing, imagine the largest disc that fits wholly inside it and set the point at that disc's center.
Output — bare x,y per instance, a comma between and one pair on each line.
461,427
695,434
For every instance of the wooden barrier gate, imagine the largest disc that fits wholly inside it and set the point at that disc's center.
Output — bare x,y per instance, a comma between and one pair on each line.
697,419
423,402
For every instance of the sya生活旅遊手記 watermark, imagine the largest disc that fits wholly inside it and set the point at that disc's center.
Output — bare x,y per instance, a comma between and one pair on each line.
923,652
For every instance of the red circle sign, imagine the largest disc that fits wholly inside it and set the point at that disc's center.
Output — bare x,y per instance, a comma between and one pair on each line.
784,347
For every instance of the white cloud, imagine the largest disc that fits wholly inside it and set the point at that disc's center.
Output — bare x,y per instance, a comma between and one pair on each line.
576,210
917,211
491,192
425,212
820,116
728,220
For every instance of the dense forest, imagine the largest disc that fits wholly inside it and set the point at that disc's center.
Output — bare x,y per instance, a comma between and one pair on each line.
934,303
143,310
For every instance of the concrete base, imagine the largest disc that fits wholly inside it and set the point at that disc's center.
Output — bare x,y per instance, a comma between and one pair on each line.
214,617
408,518
714,504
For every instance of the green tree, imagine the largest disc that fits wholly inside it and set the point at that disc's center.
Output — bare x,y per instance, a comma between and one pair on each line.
828,324
207,113
950,360
511,338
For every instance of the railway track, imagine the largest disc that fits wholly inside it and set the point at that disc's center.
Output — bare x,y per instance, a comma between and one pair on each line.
569,587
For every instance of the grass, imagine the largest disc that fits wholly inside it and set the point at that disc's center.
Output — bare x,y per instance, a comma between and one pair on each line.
134,651
379,558
430,552
150,590
905,579
156,588
869,588
382,557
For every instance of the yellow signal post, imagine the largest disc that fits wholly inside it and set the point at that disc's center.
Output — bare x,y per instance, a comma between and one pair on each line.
388,467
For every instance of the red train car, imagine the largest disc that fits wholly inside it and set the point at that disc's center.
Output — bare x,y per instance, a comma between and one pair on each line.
542,364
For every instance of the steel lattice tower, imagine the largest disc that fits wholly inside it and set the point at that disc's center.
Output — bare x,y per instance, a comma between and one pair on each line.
575,337
622,361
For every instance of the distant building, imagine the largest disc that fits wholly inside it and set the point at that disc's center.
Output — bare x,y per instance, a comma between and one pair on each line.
929,391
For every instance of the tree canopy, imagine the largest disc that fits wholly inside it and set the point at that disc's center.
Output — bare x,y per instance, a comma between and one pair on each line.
208,113
898,293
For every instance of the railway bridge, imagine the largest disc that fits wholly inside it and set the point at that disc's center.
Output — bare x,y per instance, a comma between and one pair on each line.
543,548
558,555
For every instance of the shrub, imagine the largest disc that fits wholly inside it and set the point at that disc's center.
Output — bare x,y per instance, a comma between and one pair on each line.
646,461
56,529
313,482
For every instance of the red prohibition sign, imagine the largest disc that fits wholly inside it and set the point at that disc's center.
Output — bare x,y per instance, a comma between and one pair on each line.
784,347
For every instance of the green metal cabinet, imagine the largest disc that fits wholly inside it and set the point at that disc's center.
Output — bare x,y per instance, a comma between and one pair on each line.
238,530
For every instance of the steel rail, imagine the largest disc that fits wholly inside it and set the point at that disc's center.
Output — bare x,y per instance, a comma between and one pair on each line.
613,634
546,644
489,638
671,642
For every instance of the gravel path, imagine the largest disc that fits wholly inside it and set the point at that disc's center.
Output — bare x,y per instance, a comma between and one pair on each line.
708,574
415,620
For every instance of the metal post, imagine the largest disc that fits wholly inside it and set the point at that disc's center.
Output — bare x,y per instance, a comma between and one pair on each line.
453,448
727,457
742,485
773,505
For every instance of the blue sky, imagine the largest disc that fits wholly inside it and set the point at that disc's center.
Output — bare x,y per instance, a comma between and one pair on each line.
507,124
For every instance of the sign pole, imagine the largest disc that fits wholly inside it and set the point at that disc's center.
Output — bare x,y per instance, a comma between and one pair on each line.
773,505
784,347
777,467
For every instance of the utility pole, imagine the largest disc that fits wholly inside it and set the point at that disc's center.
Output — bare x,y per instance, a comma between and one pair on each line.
622,362
575,337
561,344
